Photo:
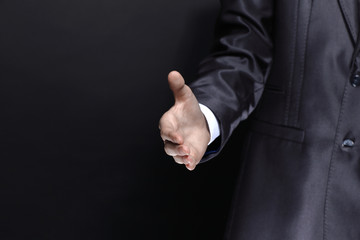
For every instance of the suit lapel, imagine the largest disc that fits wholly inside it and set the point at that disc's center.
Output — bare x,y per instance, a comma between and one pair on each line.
350,13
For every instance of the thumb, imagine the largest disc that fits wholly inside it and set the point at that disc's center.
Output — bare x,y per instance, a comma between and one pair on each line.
177,86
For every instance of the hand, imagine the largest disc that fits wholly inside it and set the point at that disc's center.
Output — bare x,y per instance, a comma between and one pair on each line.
183,128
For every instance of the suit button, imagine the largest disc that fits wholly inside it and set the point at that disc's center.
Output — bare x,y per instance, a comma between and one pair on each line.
348,143
355,81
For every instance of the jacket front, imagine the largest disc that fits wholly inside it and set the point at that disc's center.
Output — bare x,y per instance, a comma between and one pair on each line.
292,65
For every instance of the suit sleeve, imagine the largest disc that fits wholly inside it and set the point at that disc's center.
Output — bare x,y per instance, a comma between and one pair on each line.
231,80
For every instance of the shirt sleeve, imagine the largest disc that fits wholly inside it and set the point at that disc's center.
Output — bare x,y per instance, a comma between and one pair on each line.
211,121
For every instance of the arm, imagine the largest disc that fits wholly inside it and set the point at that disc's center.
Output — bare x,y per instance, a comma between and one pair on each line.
232,78
230,82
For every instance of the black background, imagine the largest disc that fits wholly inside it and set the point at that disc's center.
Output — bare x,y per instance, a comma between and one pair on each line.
83,86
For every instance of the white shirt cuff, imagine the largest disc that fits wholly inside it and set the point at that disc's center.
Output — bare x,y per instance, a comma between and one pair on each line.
211,121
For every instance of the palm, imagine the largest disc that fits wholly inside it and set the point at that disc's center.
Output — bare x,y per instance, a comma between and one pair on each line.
184,128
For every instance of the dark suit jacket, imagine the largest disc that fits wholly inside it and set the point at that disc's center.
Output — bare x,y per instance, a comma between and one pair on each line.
290,63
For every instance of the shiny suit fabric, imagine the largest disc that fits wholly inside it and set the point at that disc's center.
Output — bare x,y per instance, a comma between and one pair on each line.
289,66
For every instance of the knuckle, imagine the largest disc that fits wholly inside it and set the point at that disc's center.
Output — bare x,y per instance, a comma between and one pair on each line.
167,150
162,134
178,160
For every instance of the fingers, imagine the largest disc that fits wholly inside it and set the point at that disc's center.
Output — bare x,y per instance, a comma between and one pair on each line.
186,160
177,86
181,154
167,134
174,150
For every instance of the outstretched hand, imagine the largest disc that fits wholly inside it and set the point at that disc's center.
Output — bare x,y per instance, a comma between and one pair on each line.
183,128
